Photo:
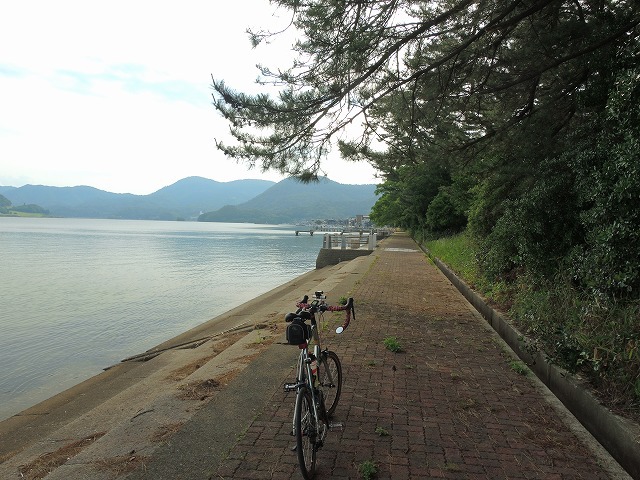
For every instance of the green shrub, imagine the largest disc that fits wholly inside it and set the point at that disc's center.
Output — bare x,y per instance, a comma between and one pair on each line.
587,334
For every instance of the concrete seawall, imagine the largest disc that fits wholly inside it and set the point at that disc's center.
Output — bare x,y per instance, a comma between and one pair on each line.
333,256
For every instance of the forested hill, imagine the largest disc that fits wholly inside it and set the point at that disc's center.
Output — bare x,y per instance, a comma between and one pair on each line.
291,201
184,199
257,201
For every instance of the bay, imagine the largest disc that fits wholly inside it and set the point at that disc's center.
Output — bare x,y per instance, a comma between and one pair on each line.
79,295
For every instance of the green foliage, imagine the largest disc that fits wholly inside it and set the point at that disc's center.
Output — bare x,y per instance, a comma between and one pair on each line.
582,333
6,208
423,197
535,231
443,214
595,336
420,79
383,432
34,209
392,344
518,367
459,253
608,261
368,469
386,211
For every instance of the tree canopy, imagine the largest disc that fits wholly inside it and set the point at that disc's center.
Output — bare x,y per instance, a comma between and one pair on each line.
410,76
515,119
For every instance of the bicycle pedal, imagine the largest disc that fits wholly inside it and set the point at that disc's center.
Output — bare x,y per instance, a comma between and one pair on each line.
290,387
336,425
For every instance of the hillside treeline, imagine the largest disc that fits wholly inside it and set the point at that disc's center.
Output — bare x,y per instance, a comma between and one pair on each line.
6,208
513,121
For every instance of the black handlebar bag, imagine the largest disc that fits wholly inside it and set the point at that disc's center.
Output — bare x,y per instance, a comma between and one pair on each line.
298,332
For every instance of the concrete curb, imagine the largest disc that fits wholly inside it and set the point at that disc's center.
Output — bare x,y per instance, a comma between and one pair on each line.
619,436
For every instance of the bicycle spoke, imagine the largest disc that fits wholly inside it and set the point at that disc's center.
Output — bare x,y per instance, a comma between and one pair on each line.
306,433
330,381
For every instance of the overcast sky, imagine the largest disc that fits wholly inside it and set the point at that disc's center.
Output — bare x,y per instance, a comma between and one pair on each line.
117,94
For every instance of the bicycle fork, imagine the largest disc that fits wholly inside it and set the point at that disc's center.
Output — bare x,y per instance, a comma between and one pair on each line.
321,422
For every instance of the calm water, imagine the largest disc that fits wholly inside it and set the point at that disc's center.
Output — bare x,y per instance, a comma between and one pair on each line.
78,295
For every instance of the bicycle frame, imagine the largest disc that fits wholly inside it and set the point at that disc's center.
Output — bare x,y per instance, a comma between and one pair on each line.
310,423
304,378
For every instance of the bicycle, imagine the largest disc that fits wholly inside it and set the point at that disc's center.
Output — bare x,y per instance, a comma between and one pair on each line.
319,378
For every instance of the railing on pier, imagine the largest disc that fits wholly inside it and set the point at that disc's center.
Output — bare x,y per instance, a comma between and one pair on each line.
353,241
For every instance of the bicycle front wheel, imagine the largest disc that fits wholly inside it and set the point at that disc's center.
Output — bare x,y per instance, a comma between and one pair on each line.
330,380
306,432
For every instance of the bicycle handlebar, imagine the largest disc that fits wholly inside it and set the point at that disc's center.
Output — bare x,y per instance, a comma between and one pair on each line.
350,311
322,307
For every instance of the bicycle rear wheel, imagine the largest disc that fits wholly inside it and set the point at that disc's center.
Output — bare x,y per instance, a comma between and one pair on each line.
330,380
306,433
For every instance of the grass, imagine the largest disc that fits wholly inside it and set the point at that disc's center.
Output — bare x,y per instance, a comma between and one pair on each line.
392,344
458,252
368,469
518,367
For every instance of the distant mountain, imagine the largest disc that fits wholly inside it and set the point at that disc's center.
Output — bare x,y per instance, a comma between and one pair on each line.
291,201
185,199
256,201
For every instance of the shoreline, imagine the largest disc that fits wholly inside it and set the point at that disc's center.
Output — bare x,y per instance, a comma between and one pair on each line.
261,314
71,312
221,324
154,419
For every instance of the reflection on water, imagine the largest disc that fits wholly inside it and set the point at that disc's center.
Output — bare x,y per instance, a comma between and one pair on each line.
79,295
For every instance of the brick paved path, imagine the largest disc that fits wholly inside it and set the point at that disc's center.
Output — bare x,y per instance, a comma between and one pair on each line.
450,402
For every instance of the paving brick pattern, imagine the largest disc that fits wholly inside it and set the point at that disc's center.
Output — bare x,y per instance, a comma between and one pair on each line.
449,405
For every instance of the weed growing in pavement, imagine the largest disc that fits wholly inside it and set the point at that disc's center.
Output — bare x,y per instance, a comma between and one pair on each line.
368,469
383,432
392,344
518,367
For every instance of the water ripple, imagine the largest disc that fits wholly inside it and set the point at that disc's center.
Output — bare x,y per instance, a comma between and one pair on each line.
80,295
